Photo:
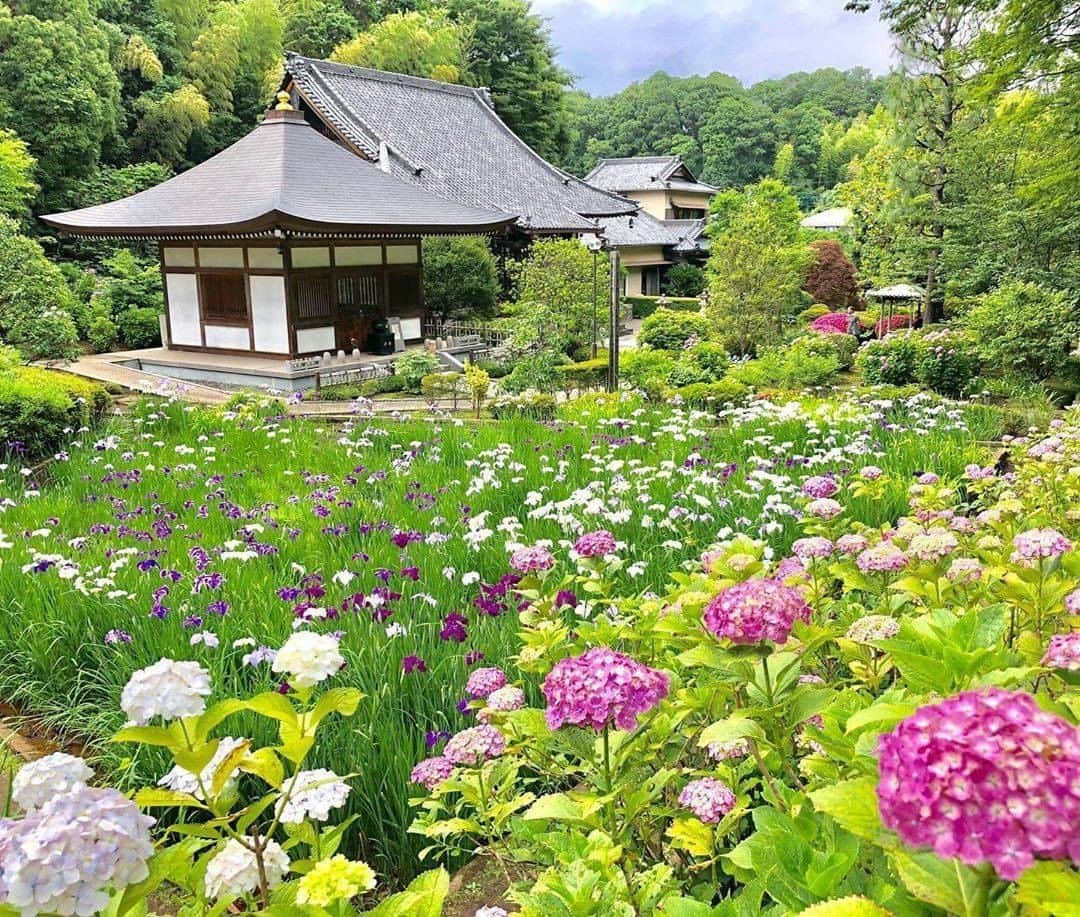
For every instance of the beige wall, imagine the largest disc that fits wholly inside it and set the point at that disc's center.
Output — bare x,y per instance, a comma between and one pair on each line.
657,203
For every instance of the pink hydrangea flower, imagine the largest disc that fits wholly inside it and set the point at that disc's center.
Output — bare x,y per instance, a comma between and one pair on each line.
851,543
820,485
504,700
432,771
755,611
811,548
933,545
475,745
532,560
984,775
595,544
483,681
928,477
882,558
601,687
1063,652
824,508
964,570
1036,544
708,798
870,472
1072,602
725,751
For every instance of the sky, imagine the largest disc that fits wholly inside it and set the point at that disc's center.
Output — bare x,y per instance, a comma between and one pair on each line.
608,44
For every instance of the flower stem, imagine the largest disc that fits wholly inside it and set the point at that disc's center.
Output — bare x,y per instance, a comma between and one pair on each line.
768,680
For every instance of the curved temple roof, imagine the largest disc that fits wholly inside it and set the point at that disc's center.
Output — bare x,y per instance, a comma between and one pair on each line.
283,175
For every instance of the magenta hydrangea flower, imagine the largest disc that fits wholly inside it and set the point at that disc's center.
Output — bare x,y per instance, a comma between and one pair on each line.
1072,602
601,687
595,544
430,772
820,486
984,775
755,611
475,745
708,798
1036,544
882,558
811,548
483,681
1063,652
534,559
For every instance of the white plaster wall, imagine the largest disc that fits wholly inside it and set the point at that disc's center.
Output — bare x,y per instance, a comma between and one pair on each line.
268,316
227,336
310,339
183,309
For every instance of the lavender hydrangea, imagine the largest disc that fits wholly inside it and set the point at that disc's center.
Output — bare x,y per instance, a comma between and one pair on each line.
602,687
67,856
824,508
726,751
708,798
755,611
1063,652
812,548
534,559
430,772
984,775
475,745
484,681
884,557
595,544
36,782
1036,544
820,487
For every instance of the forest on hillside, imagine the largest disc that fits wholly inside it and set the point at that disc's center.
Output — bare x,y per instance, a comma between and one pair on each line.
960,165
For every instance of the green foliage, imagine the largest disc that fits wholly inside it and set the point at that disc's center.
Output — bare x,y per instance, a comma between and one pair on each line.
130,282
946,362
792,367
841,346
532,405
711,396
644,368
533,371
17,188
444,385
1023,329
315,27
425,44
687,280
811,312
39,408
103,334
644,306
755,265
461,278
479,383
411,367
893,360
36,304
582,376
140,328
667,329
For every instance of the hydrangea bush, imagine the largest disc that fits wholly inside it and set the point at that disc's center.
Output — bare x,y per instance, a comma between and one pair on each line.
883,721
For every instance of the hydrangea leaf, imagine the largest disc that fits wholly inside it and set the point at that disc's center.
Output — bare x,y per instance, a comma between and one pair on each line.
853,805
265,763
881,715
736,726
152,797
691,835
273,705
947,884
555,806
423,898
853,906
1049,889
336,700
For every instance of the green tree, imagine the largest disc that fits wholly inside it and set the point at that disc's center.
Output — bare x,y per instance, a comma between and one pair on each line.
461,279
425,44
509,51
58,92
315,27
739,142
17,188
755,266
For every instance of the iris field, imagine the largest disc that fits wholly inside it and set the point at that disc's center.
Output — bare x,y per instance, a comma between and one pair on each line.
209,535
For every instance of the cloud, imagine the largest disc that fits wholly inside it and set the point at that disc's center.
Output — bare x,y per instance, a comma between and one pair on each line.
608,44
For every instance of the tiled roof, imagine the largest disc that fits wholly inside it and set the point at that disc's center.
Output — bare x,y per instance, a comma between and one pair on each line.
645,173
449,140
284,174
640,229
691,234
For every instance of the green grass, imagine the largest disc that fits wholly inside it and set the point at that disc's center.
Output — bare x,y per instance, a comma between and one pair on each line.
664,483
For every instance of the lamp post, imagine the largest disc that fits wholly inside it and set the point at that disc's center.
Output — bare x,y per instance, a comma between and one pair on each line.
595,246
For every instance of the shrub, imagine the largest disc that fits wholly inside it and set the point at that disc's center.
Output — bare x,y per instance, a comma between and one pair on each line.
643,366
582,376
831,323
534,371
444,385
811,312
460,277
40,409
102,334
787,367
841,346
889,361
947,362
531,404
667,329
713,395
710,357
684,280
496,368
1023,329
140,328
830,275
411,368
382,385
644,306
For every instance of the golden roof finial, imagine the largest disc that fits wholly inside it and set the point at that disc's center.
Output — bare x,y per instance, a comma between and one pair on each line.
283,102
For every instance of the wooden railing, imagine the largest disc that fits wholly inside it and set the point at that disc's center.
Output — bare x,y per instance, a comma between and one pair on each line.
482,332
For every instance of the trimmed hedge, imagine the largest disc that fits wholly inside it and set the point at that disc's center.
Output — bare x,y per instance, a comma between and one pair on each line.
711,396
40,410
531,405
588,374
644,306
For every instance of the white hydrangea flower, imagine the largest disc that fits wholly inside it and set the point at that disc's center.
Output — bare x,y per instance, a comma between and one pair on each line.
308,658
491,911
168,689
184,781
314,793
234,871
39,781
67,856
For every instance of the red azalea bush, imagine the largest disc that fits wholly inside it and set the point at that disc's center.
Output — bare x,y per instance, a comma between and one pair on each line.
897,322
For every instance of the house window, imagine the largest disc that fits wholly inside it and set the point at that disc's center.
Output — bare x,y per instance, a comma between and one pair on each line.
686,213
223,298
313,295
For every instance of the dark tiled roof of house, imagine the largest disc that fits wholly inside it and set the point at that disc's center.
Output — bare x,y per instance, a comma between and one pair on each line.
283,174
449,140
640,229
645,173
691,234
